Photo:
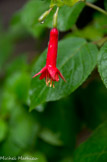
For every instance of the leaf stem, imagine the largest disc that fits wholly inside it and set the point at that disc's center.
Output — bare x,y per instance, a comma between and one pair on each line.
96,8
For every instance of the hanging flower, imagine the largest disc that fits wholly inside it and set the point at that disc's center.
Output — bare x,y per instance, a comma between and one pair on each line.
50,71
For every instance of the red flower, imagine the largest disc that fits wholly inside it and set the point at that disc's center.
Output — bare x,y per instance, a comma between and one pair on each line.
50,72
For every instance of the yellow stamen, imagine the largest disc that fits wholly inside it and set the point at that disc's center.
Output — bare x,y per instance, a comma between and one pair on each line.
47,84
53,84
49,81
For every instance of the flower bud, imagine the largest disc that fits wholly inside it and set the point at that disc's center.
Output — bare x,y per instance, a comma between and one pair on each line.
44,15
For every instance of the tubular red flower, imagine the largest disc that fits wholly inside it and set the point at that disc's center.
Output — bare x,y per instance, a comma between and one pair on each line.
50,72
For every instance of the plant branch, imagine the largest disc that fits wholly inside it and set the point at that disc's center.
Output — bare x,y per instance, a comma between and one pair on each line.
96,8
100,42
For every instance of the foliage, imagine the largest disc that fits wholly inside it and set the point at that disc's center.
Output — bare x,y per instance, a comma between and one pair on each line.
94,149
46,123
73,64
102,63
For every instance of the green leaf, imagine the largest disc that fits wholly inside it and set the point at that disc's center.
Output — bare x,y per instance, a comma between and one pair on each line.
50,137
93,100
56,2
34,9
93,31
61,125
19,64
72,2
3,130
50,151
91,1
68,159
100,23
89,32
64,2
38,156
105,4
40,108
6,48
17,30
41,157
102,63
19,25
95,148
76,60
23,130
59,118
67,17
19,84
7,103
30,14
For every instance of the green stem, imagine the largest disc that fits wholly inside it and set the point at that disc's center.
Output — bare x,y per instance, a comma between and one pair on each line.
101,41
55,18
96,8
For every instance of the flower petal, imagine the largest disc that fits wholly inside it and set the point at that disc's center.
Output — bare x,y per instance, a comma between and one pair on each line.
52,71
42,70
61,75
43,75
56,77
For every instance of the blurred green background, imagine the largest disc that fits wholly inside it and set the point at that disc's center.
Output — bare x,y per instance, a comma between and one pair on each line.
73,129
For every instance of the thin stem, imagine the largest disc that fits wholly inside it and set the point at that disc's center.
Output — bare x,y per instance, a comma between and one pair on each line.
96,8
100,42
55,18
